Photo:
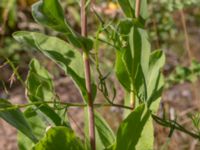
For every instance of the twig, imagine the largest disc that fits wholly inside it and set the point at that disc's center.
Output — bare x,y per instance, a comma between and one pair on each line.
187,42
175,125
64,104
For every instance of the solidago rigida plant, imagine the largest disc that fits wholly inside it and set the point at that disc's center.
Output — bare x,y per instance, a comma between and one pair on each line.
136,67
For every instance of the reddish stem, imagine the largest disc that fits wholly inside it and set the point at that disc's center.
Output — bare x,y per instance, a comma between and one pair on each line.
88,78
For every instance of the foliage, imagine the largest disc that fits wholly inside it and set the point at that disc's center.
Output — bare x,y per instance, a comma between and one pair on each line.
182,74
139,71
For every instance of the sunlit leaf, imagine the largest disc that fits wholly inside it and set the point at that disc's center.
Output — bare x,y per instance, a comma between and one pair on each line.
50,14
68,58
59,138
135,132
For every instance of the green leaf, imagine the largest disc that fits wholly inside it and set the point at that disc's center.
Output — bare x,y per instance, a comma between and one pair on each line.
15,118
155,79
50,13
135,132
132,63
69,59
104,131
59,138
40,89
38,126
122,73
128,7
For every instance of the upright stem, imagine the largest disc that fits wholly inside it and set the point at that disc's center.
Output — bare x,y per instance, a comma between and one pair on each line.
88,78
137,8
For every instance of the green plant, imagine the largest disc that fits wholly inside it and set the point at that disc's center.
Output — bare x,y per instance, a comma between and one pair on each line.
43,125
182,74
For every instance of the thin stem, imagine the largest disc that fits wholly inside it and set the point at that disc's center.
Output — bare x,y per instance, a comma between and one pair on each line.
174,125
64,104
137,8
187,42
88,78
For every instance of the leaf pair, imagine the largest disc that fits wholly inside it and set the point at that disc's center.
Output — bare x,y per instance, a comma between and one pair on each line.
136,67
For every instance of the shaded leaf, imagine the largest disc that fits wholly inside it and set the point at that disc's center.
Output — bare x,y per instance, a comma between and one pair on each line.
38,126
104,131
16,118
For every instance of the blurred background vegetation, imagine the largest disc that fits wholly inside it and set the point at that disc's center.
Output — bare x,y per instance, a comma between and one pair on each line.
174,27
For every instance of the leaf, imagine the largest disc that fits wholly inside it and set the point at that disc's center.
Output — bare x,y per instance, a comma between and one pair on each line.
40,89
135,132
38,126
128,7
122,73
104,135
104,131
59,138
155,80
60,52
15,118
132,63
51,14
143,8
